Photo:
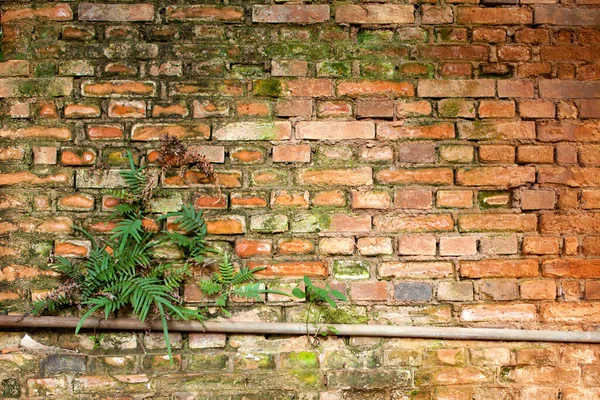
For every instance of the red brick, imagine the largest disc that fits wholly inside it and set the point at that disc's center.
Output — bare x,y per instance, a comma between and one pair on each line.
453,52
279,130
374,14
31,179
496,109
231,225
437,14
455,70
538,199
554,15
496,130
368,291
496,153
290,14
349,223
540,245
570,313
143,132
525,268
565,89
590,109
538,289
398,130
346,177
570,176
414,223
36,132
206,13
497,223
513,53
537,109
252,108
337,246
456,88
334,198
71,249
454,199
292,153
422,245
458,246
82,111
204,201
118,89
295,246
416,199
507,177
289,68
116,12
14,68
571,268
288,198
253,247
373,246
294,108
413,108
127,109
375,88
248,200
489,35
308,87
406,176
371,200
326,130
334,109
246,155
56,12
426,270
499,313
494,16
290,269
515,88
584,131
375,109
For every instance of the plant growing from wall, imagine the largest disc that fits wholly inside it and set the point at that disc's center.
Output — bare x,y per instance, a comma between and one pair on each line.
315,295
121,272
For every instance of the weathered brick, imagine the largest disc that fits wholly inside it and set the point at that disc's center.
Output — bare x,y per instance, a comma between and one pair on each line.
422,245
346,177
525,268
458,246
208,13
566,89
497,223
456,88
375,88
513,176
56,12
374,14
416,223
115,12
406,176
335,130
494,16
118,89
555,15
399,130
499,313
290,14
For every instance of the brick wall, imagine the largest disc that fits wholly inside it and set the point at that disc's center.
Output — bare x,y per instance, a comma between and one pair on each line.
439,163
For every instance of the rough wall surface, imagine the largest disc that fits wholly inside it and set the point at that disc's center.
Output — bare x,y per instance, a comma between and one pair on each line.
439,163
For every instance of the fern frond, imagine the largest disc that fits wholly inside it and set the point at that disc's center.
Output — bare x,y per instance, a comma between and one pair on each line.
210,287
189,219
226,271
249,291
126,229
245,275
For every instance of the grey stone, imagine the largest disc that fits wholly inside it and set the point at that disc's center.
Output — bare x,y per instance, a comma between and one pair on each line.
413,291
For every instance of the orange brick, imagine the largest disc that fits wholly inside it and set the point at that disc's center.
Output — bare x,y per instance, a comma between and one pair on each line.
368,291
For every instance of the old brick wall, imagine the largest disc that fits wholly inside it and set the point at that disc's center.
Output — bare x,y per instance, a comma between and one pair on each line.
440,163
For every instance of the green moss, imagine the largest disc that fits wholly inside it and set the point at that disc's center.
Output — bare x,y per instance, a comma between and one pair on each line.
267,87
367,36
309,51
303,359
488,199
343,315
350,269
244,71
377,69
450,108
45,70
334,69
11,388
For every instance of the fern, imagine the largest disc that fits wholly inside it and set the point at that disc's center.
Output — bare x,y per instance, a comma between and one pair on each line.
127,278
228,282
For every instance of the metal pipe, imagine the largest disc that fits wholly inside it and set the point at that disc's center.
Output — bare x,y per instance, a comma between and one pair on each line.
292,328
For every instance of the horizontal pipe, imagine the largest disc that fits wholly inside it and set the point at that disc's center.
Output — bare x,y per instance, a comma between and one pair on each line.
292,328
